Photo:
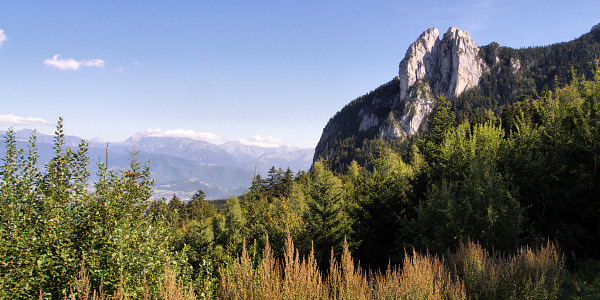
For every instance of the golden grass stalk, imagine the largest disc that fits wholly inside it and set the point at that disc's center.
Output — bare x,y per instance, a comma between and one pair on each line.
527,274
172,289
169,288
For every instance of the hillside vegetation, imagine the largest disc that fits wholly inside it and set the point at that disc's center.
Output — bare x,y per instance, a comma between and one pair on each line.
510,75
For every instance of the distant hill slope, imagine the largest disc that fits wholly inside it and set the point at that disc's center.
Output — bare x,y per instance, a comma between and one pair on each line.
479,81
182,165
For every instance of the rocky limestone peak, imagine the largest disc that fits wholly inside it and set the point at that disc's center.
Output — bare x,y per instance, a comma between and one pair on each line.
434,67
450,65
419,60
461,65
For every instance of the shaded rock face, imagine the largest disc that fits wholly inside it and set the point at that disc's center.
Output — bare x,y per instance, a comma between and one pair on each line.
432,67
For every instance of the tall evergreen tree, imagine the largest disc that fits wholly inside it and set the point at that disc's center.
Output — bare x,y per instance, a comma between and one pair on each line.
382,201
441,120
327,218
198,207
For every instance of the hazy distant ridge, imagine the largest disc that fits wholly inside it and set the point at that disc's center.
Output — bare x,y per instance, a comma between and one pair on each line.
184,165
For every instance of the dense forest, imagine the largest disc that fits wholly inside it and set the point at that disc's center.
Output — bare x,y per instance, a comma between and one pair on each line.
484,208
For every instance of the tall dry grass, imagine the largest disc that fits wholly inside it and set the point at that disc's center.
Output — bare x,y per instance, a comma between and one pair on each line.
425,277
295,279
527,274
170,288
345,281
421,277
471,272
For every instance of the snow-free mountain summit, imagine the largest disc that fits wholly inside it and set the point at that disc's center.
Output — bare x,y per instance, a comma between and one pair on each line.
478,81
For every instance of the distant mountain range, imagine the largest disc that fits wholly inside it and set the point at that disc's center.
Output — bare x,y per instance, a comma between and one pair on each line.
184,165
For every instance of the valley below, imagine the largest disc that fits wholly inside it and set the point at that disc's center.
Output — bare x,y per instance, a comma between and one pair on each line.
182,166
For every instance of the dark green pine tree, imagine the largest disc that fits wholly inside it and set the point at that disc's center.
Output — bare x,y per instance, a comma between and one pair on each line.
327,218
273,182
382,201
441,120
286,182
198,208
175,205
257,188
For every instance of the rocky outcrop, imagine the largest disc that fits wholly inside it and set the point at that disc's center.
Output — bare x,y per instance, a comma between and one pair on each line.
420,60
434,67
431,67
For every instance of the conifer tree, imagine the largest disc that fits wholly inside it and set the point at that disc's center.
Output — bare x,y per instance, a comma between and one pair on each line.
382,201
235,222
441,120
471,199
327,219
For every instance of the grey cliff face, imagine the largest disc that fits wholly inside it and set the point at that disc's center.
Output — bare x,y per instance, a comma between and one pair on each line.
432,67
419,61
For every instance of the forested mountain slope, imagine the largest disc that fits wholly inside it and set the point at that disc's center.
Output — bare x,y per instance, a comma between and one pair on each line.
478,81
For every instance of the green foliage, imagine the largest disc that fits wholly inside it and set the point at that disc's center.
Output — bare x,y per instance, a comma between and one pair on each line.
441,120
471,199
382,201
18,227
120,236
39,217
553,157
198,207
585,283
235,222
346,151
327,220
50,221
197,242
517,73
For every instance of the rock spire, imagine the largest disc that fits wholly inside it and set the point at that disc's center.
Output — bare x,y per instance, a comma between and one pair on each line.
434,67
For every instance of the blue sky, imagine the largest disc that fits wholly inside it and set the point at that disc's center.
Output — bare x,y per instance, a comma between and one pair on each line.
269,72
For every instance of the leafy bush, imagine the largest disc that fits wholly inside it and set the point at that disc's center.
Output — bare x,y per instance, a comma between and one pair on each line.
50,221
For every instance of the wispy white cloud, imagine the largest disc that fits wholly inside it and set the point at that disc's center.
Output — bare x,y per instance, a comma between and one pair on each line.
205,136
3,37
119,69
260,141
71,64
12,120
93,63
